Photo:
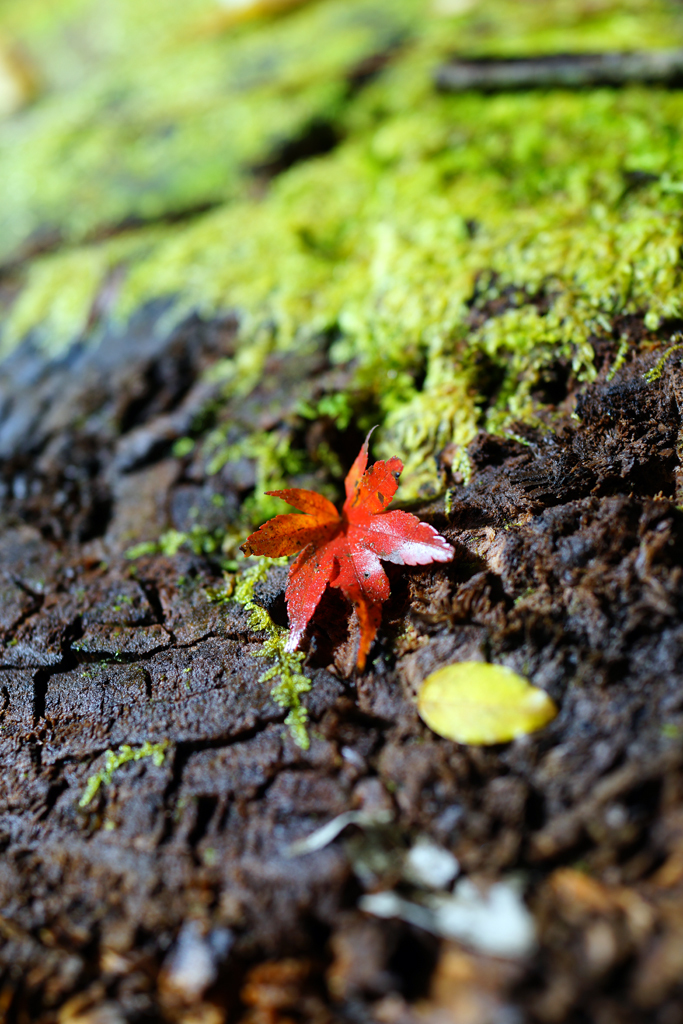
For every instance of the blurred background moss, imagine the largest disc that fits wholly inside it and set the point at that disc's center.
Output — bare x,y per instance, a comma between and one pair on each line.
293,164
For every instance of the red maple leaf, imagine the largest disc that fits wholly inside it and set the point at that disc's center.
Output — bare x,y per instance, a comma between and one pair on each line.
345,550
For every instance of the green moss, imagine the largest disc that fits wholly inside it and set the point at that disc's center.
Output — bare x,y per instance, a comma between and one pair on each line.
168,110
275,460
182,447
198,538
222,594
656,372
455,247
291,682
396,270
64,296
113,761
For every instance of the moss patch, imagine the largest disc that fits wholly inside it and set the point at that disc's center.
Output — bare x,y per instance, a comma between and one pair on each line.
456,248
173,110
291,682
115,760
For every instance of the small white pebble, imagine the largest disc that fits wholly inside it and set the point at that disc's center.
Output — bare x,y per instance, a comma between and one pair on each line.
616,816
430,866
353,757
496,922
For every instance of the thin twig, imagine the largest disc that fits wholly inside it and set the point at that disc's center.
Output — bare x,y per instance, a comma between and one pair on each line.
561,70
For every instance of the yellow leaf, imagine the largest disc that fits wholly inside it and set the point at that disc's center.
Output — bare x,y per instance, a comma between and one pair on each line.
473,702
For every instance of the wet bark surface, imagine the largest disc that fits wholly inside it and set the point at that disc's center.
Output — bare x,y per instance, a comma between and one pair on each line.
175,893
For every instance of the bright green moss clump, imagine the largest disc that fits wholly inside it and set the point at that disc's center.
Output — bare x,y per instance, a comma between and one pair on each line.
291,682
393,238
114,761
454,247
169,106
